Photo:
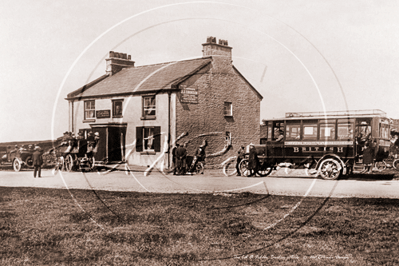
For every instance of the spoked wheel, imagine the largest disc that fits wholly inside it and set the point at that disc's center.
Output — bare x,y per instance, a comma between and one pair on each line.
68,163
199,168
395,164
381,165
17,165
244,168
229,167
29,161
265,170
330,169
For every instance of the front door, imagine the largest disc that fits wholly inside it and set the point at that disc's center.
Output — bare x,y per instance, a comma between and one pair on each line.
111,145
116,144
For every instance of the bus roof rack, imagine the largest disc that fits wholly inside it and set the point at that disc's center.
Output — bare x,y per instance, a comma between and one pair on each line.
376,112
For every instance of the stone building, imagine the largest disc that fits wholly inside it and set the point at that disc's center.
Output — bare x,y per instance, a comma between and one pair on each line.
142,111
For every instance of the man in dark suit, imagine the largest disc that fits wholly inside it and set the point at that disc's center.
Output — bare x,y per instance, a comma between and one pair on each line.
181,154
253,160
37,159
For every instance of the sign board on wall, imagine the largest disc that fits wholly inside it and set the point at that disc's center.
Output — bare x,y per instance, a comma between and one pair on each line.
103,113
188,95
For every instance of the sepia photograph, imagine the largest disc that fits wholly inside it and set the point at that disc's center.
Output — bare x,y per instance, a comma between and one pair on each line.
172,132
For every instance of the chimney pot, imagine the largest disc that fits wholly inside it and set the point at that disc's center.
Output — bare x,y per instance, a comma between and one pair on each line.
129,57
111,54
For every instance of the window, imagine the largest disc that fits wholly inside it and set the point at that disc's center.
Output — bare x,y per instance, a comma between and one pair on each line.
89,110
327,132
149,107
384,131
293,132
148,139
345,131
228,109
309,131
278,129
117,106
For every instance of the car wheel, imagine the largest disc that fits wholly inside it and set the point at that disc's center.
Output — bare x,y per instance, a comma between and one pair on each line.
17,165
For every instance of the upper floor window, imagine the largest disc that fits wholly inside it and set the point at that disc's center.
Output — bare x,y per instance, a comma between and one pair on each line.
90,109
117,106
149,107
228,109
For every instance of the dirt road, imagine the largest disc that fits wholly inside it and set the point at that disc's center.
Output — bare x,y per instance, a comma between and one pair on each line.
211,182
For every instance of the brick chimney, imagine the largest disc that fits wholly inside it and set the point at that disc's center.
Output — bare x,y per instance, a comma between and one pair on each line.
117,61
221,55
211,48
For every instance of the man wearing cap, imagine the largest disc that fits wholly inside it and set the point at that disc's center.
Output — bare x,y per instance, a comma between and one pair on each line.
37,159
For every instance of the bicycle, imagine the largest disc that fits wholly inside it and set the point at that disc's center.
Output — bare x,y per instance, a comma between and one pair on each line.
388,163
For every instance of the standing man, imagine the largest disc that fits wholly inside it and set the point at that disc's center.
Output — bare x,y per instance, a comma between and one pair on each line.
240,157
252,160
181,154
174,158
37,159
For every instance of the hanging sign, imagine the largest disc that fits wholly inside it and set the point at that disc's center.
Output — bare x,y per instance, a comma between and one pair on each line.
188,95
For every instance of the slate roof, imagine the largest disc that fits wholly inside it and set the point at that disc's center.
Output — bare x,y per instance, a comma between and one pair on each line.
141,79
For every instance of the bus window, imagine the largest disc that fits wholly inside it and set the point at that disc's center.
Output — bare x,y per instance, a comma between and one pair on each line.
384,131
345,132
278,127
293,132
327,131
309,131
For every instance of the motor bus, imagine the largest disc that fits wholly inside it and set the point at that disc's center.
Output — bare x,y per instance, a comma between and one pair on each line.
330,144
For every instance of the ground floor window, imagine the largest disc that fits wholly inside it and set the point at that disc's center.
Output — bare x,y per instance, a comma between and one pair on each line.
148,139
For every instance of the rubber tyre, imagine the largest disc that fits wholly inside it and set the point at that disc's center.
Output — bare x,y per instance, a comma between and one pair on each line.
29,161
330,169
244,168
16,165
381,166
68,163
395,164
265,172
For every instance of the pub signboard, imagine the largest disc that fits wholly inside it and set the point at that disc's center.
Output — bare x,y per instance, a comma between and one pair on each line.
103,113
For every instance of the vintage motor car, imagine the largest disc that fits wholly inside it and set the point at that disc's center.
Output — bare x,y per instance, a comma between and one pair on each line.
19,157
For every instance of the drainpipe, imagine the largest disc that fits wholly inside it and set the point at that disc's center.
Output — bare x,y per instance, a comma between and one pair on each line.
169,95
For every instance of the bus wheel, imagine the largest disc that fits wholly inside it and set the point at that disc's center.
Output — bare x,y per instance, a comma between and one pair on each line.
244,168
265,170
330,169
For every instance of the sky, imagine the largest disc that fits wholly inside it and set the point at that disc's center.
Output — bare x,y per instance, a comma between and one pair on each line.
302,56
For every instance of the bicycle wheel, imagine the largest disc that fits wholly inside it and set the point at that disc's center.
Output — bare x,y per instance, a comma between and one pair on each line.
381,166
395,164
199,169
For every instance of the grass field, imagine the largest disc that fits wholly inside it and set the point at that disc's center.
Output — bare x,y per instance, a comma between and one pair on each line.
79,227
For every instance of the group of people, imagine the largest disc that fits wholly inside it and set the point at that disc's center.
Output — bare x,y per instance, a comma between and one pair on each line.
253,160
70,141
181,164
